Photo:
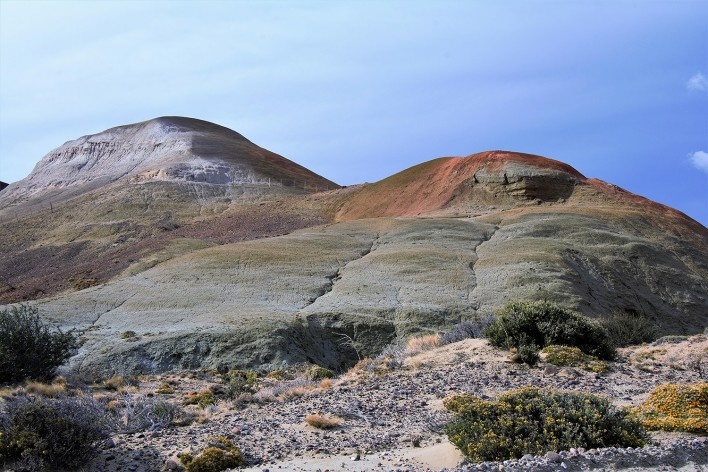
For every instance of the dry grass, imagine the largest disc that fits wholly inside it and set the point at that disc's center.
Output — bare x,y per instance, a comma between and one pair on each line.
323,421
326,384
53,389
422,343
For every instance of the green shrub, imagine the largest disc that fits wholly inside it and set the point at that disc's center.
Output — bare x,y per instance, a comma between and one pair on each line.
628,329
317,372
533,421
566,356
29,349
521,324
51,434
239,382
203,398
220,455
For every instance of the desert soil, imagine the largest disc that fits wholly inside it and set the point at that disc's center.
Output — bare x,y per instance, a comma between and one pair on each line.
392,420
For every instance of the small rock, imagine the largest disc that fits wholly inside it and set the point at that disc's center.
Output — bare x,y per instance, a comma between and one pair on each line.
172,463
553,456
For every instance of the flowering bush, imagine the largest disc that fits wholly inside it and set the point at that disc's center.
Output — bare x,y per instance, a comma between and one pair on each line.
673,407
533,421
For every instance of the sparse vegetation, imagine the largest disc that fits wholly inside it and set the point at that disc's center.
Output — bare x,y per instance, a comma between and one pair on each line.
533,421
673,407
43,434
239,382
422,343
628,329
466,330
317,372
142,413
220,454
319,421
129,335
529,327
203,398
29,348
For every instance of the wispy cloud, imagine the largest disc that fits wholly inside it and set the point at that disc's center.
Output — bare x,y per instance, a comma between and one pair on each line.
697,82
700,160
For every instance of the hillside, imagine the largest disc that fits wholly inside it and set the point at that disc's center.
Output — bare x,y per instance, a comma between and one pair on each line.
202,248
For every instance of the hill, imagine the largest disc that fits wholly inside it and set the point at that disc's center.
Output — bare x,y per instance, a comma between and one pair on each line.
207,263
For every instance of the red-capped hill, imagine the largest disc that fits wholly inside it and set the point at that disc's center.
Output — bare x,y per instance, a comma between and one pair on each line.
496,178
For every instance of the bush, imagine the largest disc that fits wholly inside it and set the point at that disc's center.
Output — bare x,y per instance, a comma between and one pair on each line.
628,329
221,454
51,434
533,421
317,372
323,421
466,330
203,398
521,324
29,349
239,382
672,407
141,413
566,356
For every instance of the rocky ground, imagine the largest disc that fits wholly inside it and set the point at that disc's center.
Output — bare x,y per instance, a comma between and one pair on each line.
393,419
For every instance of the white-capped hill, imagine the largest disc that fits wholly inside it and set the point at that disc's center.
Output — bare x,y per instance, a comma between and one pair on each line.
162,149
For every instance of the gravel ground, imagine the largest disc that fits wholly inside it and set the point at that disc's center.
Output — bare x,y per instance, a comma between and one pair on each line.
393,420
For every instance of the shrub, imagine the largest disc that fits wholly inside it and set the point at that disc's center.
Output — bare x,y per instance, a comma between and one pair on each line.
533,421
141,413
165,389
521,324
220,454
466,330
29,349
203,398
627,329
566,356
51,434
239,382
317,372
323,421
673,407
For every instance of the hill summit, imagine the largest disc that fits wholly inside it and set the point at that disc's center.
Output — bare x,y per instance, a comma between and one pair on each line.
162,149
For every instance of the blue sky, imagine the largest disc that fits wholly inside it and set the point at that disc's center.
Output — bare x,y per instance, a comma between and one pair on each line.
358,90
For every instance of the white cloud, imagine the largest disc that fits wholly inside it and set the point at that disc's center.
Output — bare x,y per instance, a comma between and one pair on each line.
697,82
700,160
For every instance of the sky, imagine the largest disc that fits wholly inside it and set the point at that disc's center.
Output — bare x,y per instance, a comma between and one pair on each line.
359,90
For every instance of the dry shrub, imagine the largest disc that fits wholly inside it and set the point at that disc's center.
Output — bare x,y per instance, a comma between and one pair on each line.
423,343
673,407
323,421
115,383
54,389
326,384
